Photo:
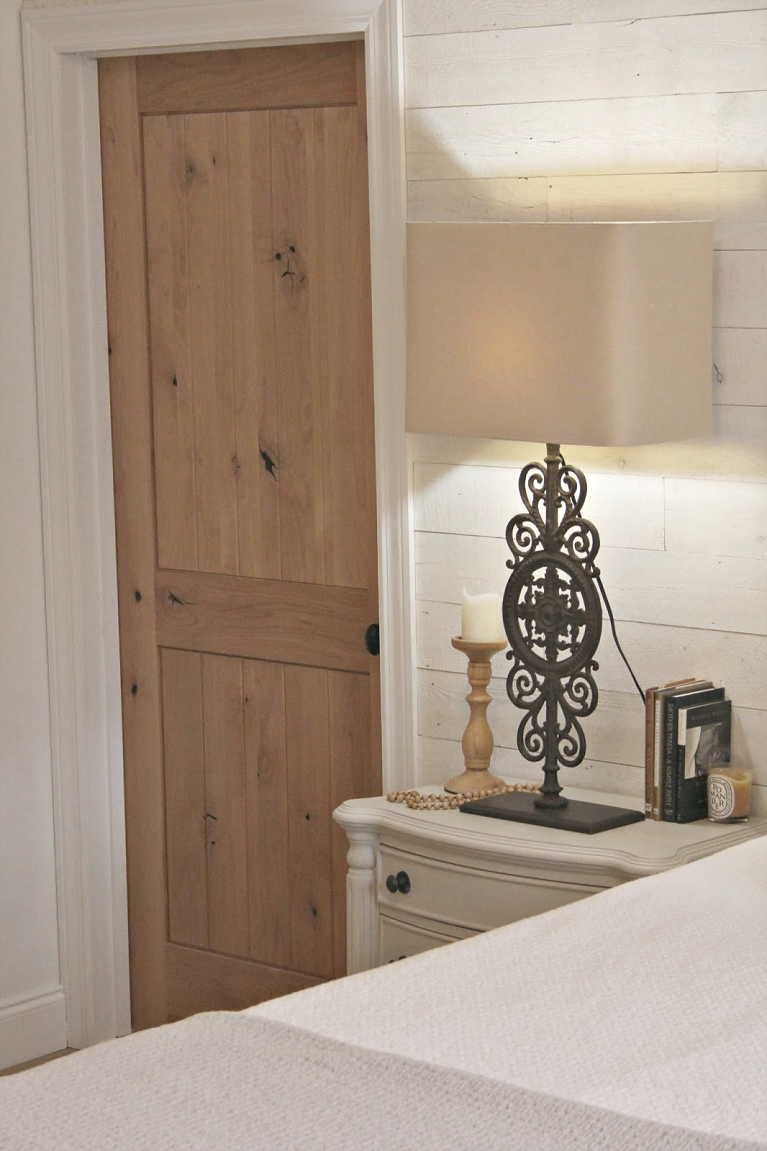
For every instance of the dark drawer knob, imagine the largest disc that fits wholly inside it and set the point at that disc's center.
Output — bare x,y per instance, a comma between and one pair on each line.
398,882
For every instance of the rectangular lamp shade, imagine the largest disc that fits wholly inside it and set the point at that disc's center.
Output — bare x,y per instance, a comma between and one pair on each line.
572,333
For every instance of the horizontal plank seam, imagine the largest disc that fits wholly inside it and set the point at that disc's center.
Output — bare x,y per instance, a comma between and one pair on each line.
607,99
206,951
255,581
240,108
580,22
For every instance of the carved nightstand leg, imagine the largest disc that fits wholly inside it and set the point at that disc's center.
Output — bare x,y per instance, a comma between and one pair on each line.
362,935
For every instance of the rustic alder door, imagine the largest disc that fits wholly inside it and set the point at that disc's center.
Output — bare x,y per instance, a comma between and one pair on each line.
236,219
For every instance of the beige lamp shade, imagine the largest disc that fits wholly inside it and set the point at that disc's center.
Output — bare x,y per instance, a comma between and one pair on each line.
566,333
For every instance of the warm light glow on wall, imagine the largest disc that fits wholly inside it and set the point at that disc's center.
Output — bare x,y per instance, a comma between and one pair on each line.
571,333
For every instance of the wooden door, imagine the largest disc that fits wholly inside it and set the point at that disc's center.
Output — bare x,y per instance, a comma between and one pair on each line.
237,252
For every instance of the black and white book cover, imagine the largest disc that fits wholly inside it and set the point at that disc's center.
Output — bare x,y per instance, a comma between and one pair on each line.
703,738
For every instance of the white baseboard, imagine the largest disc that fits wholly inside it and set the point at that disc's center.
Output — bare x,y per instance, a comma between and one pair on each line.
33,1027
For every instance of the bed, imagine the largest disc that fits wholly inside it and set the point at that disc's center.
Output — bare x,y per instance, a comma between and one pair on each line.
634,1019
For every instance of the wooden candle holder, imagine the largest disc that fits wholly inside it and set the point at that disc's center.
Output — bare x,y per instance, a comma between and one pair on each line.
477,740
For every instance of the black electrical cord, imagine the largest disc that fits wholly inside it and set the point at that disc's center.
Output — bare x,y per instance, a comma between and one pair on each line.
603,593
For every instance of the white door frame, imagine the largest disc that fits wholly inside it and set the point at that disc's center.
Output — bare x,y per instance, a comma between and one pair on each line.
61,44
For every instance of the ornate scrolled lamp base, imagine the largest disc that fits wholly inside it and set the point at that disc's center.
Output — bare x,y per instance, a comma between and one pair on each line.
553,619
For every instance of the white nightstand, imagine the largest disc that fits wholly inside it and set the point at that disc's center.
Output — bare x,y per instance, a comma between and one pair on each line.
418,879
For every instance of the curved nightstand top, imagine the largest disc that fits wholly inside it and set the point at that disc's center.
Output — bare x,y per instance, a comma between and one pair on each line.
637,849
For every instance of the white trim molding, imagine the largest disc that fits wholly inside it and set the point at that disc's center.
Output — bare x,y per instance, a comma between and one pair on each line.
61,44
32,1027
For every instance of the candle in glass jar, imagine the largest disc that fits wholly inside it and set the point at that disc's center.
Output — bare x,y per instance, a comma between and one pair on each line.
729,793
481,620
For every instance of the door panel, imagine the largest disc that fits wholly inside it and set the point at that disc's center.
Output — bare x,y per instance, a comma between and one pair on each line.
309,761
346,463
171,355
267,798
185,824
241,379
254,345
225,808
302,74
253,216
256,756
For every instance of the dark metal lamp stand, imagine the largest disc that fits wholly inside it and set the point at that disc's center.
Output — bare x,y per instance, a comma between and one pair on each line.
553,620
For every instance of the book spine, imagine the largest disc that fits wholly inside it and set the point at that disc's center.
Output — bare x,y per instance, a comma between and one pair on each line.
654,741
689,794
668,809
657,756
649,752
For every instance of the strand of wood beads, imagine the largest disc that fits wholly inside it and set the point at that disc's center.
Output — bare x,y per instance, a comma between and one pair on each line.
445,801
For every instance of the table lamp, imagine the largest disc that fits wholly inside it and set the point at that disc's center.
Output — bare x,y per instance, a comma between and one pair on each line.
581,333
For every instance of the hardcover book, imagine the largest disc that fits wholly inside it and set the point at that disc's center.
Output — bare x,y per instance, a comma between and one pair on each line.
703,741
651,805
672,704
658,740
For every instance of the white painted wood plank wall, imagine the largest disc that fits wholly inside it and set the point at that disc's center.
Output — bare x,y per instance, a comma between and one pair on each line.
605,110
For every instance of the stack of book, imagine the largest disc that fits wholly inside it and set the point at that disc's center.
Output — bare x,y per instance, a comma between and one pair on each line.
687,730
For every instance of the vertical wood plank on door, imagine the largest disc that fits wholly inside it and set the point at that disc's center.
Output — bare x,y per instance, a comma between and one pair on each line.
225,805
348,454
172,384
251,259
353,777
298,292
309,819
206,163
267,804
185,829
134,521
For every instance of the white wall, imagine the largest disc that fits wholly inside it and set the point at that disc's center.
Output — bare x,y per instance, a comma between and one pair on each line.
31,1003
605,110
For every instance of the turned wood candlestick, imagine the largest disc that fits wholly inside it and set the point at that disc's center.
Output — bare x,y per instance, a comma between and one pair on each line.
477,740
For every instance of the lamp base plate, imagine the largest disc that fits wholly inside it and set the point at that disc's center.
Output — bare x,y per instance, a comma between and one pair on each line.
587,818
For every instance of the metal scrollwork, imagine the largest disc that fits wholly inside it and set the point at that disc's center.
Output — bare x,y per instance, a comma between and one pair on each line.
552,617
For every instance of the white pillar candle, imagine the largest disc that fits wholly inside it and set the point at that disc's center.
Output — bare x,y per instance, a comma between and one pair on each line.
481,620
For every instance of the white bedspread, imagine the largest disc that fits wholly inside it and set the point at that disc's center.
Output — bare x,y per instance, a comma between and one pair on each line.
632,1021
650,998
226,1082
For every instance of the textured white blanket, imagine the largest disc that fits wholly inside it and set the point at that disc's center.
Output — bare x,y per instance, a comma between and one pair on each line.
221,1082
649,999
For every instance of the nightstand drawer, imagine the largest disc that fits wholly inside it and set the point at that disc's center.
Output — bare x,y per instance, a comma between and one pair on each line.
399,940
450,894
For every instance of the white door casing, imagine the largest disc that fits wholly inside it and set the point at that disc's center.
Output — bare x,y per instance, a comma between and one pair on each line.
61,45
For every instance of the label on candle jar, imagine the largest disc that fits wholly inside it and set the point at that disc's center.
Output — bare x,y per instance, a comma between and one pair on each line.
729,793
721,797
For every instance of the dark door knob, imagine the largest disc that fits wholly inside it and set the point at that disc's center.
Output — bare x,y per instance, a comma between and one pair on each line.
372,639
399,882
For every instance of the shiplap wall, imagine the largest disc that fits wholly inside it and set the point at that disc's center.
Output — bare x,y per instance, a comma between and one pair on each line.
605,110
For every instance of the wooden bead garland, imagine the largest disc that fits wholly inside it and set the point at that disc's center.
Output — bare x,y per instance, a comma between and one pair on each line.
445,801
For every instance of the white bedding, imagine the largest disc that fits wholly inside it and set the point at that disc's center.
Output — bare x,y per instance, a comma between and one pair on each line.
631,1020
650,998
226,1082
